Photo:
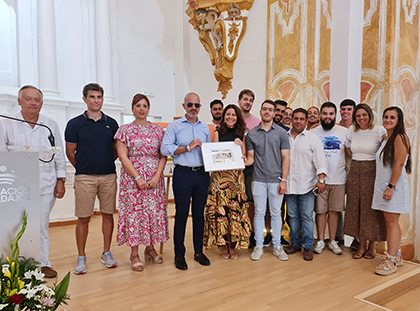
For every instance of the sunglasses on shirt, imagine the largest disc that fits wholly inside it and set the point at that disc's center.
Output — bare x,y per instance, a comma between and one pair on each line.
196,105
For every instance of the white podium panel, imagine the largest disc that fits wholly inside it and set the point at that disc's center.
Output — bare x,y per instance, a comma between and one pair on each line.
19,191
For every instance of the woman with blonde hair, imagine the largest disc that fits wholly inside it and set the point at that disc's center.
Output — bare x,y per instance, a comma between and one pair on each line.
361,221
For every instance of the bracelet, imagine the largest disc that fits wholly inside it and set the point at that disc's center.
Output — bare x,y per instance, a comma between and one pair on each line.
321,181
282,179
187,147
135,179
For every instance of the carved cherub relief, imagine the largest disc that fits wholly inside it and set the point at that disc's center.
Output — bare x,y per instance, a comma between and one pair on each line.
207,19
220,27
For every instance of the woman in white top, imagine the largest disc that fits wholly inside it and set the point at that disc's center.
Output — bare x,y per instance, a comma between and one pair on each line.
361,221
391,185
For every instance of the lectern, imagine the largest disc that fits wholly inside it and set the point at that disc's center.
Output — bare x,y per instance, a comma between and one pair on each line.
19,191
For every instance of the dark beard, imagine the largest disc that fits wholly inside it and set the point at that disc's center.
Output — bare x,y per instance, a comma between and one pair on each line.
327,126
217,118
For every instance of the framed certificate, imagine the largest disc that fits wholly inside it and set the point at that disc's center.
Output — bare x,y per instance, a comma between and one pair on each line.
222,156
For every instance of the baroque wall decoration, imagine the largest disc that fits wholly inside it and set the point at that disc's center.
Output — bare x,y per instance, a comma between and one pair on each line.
390,77
221,25
299,51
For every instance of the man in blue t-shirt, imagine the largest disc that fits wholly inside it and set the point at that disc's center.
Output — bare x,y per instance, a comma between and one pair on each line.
90,148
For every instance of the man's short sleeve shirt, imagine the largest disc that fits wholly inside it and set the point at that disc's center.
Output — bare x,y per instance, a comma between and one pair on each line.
267,148
334,142
94,139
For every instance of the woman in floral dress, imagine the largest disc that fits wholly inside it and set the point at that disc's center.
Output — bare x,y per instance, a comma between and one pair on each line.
142,204
227,223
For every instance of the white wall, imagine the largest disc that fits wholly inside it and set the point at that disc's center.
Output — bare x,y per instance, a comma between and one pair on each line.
159,52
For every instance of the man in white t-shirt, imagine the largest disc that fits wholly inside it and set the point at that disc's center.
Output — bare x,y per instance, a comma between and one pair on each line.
332,199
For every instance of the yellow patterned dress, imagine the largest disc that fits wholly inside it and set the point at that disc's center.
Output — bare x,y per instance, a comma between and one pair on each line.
226,213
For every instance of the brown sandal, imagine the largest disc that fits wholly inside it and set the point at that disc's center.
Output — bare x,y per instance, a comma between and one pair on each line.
358,255
369,255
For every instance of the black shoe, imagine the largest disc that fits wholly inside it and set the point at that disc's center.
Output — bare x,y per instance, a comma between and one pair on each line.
180,263
202,259
284,241
340,241
355,245
251,241
267,240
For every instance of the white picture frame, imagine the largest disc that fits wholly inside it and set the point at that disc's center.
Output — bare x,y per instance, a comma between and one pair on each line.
222,156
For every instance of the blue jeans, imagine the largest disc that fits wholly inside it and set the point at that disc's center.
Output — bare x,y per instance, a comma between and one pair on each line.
261,191
300,208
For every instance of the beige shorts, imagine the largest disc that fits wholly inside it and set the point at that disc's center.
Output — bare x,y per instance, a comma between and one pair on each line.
87,187
332,199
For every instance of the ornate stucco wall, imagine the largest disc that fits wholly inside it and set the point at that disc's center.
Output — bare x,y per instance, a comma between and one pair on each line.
299,51
298,69
390,77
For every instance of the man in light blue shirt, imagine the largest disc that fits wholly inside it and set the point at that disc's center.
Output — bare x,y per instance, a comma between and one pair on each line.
182,141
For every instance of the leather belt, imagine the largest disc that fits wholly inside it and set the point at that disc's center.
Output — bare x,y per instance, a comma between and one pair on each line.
191,168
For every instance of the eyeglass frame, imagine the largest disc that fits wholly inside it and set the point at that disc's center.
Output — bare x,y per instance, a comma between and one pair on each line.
196,105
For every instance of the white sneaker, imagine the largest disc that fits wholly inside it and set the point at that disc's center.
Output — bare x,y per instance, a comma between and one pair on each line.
257,253
333,246
80,267
280,253
319,247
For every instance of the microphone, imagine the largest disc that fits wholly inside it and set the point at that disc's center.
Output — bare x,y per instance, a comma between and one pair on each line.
51,138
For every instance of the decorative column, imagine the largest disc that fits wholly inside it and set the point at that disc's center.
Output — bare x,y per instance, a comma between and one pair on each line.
47,55
346,50
104,47
299,51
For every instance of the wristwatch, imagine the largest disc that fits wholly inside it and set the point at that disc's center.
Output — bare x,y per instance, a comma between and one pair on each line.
391,186
321,181
63,179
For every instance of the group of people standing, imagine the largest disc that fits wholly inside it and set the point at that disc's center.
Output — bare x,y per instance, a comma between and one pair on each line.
297,157
352,166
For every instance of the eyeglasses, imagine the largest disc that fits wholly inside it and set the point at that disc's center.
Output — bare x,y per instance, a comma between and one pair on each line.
196,105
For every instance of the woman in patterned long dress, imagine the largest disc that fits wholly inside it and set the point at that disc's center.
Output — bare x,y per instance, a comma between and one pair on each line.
142,219
393,162
361,221
227,223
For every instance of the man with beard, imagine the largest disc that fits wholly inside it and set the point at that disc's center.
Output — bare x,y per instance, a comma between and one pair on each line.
281,106
182,141
216,110
268,150
332,199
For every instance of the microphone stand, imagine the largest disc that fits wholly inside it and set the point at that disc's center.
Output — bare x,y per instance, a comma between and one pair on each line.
51,138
